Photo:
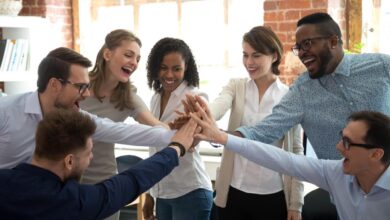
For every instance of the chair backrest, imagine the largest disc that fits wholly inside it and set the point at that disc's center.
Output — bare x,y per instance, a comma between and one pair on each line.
126,161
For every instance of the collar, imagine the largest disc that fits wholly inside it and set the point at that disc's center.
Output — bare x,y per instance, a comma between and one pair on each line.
279,85
344,66
180,89
32,104
37,171
384,180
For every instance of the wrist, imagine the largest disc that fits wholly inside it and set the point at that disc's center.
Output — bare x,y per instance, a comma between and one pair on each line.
180,146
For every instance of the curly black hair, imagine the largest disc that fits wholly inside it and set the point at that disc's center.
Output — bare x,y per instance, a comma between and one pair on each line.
163,47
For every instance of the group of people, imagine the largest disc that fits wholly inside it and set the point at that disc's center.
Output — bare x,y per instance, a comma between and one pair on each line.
58,160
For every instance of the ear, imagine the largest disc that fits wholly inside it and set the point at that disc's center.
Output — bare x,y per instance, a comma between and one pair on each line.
274,57
68,162
377,154
107,54
53,85
334,40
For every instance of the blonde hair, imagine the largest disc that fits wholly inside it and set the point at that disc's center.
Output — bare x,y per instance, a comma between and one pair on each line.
121,97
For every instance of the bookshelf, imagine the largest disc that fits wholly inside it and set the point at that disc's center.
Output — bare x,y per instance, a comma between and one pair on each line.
36,31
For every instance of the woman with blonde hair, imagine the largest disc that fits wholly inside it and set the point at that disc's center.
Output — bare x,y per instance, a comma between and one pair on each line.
114,97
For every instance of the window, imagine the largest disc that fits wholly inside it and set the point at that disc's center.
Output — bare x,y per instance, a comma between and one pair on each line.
212,28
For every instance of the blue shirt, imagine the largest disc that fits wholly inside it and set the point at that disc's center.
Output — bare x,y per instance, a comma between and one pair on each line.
31,192
350,200
20,115
321,106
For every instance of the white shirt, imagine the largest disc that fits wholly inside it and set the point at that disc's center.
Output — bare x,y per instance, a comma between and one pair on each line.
20,115
191,173
248,176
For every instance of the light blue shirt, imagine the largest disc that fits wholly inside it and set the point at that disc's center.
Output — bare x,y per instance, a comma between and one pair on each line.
350,200
321,106
19,117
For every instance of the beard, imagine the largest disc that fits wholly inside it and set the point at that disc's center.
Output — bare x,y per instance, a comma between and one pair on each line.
325,58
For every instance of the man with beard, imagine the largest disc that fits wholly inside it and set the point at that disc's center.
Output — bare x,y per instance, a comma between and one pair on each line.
334,85
62,83
48,188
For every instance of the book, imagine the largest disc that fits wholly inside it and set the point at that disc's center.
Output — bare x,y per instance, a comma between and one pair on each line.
7,55
2,49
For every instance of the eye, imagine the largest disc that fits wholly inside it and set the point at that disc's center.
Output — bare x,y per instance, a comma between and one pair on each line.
306,43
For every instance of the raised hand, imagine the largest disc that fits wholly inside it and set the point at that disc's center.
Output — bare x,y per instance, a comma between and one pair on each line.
210,131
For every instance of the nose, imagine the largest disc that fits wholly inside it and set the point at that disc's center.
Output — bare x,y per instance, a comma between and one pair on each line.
86,93
340,147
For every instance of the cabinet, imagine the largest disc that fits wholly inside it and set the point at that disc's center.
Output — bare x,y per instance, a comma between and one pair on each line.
36,31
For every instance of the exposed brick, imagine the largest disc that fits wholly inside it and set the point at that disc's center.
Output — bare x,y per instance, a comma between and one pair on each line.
287,26
302,4
319,4
272,25
293,15
29,3
270,6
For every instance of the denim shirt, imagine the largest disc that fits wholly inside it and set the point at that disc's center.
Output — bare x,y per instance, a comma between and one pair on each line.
321,106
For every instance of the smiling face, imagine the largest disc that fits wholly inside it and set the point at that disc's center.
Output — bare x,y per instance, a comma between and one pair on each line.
257,64
122,61
319,59
172,69
69,97
356,159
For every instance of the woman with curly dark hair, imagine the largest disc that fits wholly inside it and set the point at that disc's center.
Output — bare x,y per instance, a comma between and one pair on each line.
186,193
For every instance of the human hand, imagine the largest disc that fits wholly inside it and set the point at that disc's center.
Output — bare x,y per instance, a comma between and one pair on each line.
185,135
179,121
294,215
148,208
210,131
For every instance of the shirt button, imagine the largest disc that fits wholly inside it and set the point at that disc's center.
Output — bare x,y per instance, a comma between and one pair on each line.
351,103
365,196
341,85
333,74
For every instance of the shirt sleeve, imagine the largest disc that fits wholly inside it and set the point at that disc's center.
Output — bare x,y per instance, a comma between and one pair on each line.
131,134
304,168
224,101
285,115
138,104
104,199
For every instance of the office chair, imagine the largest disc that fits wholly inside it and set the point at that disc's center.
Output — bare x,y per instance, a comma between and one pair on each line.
125,162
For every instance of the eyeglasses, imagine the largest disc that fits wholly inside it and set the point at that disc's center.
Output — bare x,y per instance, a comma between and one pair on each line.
305,45
347,143
81,86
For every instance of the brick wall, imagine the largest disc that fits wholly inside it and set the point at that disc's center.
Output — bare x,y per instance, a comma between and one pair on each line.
58,12
282,16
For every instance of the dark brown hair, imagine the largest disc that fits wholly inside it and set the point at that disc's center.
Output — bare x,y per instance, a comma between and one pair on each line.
62,132
57,65
264,40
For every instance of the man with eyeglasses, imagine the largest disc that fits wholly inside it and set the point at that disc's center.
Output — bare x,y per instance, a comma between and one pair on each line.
62,83
359,184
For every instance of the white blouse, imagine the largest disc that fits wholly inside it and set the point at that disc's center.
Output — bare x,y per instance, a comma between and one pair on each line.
247,175
191,173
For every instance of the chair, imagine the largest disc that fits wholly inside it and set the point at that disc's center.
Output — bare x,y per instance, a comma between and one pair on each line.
317,206
125,162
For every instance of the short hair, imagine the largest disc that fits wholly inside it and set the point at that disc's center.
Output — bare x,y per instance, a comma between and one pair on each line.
265,41
121,96
57,65
160,49
62,132
325,25
378,130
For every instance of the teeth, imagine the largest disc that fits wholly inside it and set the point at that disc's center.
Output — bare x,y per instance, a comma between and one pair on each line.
307,60
169,81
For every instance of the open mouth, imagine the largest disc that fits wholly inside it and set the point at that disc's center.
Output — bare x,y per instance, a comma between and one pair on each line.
127,70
